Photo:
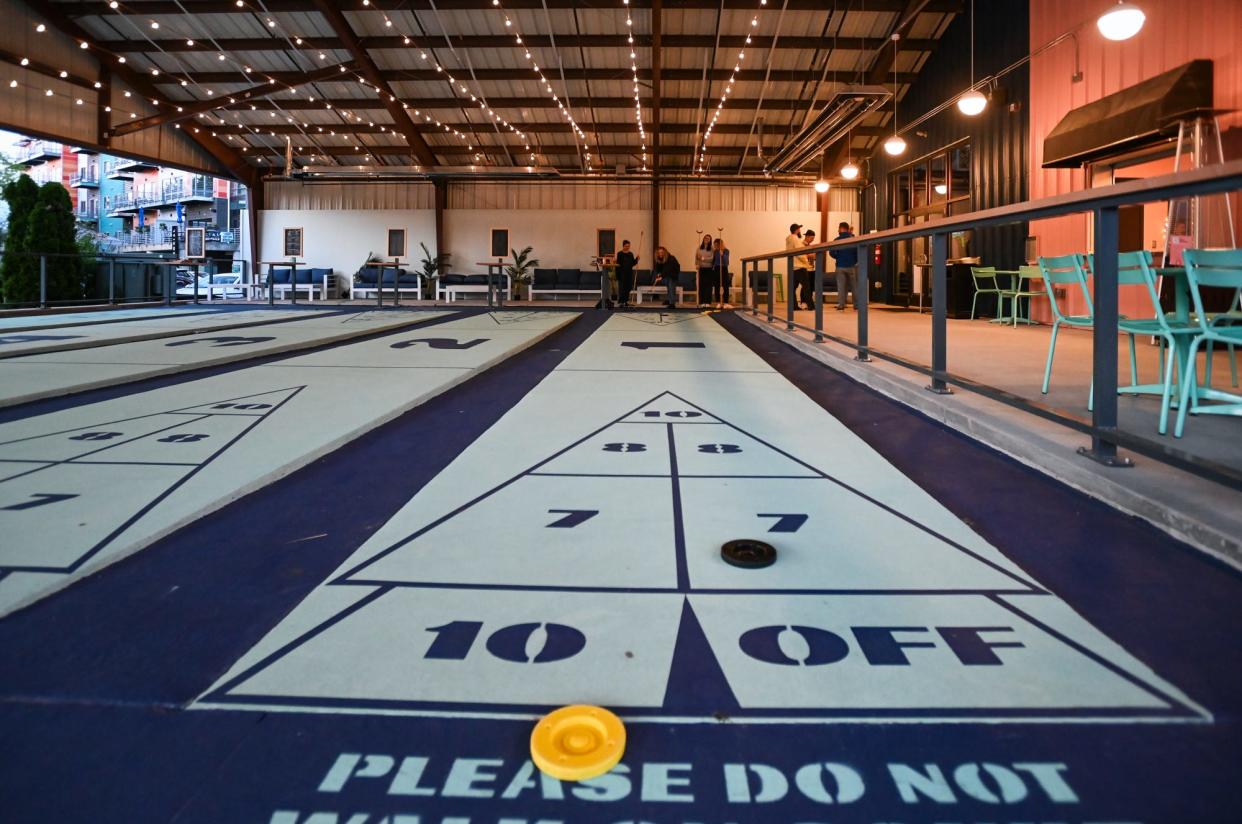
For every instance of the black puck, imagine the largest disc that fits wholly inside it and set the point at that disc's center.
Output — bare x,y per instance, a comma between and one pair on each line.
748,553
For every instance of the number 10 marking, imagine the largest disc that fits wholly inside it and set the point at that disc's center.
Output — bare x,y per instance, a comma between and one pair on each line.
455,640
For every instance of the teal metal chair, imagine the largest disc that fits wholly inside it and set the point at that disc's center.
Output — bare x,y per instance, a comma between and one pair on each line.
1216,269
1019,292
1065,270
1229,318
1135,269
985,281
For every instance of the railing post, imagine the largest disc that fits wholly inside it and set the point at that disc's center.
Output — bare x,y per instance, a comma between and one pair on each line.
771,290
42,281
940,330
862,291
271,285
790,294
819,297
1104,342
745,294
195,284
112,281
293,282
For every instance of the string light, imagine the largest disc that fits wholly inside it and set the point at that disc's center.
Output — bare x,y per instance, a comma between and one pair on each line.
724,96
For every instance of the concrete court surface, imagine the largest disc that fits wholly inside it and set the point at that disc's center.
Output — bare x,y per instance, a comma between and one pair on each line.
370,638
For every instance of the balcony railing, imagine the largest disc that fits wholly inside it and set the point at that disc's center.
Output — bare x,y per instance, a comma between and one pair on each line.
160,238
87,210
126,201
38,151
85,176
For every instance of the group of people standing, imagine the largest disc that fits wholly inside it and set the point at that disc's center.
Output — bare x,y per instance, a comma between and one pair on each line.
711,259
804,265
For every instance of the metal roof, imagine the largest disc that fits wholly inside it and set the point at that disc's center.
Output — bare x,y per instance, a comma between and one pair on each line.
801,51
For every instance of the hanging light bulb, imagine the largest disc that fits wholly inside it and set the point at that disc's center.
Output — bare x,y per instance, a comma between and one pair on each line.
821,186
972,103
850,171
1121,22
895,145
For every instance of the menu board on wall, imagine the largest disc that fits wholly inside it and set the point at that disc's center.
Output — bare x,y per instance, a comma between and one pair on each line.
195,243
396,243
293,241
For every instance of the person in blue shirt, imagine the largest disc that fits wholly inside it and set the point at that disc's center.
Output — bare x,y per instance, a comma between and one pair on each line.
847,267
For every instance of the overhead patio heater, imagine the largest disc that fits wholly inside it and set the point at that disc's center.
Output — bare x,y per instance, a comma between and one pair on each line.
845,110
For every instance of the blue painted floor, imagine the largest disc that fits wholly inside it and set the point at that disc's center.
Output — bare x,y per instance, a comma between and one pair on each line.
96,680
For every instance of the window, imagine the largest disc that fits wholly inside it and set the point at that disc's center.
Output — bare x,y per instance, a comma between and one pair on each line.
933,186
939,179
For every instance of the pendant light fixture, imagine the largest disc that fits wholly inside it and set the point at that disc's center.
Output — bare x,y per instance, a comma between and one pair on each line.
972,102
821,186
1121,22
849,171
895,145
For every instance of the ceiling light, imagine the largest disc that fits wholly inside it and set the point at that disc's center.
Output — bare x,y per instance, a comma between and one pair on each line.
821,186
40,28
972,103
849,171
1121,22
895,145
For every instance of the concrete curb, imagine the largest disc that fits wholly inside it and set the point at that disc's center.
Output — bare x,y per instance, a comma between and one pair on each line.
1204,514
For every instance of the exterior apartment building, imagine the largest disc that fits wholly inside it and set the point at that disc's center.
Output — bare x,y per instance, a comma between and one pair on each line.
135,205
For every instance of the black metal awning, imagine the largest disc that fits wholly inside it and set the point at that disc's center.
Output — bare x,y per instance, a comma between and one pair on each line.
1130,118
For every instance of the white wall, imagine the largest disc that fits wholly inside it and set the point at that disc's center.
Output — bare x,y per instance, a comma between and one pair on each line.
562,238
342,239
745,233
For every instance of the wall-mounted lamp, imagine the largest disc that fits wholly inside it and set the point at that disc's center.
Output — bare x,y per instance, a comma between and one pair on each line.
1121,22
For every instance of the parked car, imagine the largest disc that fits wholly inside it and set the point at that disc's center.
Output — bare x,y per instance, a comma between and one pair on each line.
224,285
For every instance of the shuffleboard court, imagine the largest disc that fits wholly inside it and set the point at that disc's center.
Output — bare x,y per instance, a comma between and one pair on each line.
84,487
32,377
66,338
572,554
21,323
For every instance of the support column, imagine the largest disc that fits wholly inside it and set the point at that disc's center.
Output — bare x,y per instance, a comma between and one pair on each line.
441,203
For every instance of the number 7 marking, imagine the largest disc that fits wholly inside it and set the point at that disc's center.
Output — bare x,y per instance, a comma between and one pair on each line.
42,499
786,522
572,518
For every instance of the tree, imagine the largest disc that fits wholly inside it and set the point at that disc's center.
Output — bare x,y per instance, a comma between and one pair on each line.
19,272
51,230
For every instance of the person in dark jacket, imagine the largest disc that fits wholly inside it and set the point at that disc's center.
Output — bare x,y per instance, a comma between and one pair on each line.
847,267
721,279
626,261
667,271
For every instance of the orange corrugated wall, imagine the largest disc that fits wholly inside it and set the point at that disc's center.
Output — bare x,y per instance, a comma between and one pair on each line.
1175,33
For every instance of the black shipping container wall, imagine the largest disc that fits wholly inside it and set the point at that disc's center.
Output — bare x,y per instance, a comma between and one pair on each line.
999,136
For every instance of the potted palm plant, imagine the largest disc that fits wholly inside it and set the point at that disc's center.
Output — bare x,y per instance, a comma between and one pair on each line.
520,270
432,266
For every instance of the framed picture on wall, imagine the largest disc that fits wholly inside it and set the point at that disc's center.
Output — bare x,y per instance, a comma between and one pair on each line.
195,243
396,243
293,241
605,242
500,243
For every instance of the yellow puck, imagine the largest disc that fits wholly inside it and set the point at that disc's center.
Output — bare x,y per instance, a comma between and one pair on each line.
577,742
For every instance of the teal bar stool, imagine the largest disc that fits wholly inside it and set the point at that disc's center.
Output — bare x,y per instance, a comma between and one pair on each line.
1221,270
984,278
1065,270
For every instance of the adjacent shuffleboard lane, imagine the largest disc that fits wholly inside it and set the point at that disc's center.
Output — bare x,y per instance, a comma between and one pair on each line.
83,487
33,377
175,322
56,320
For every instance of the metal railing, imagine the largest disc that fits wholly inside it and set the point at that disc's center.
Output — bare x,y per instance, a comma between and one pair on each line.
87,210
38,148
1103,203
116,279
85,175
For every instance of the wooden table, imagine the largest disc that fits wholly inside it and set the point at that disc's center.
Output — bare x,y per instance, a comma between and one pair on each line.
292,263
170,285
